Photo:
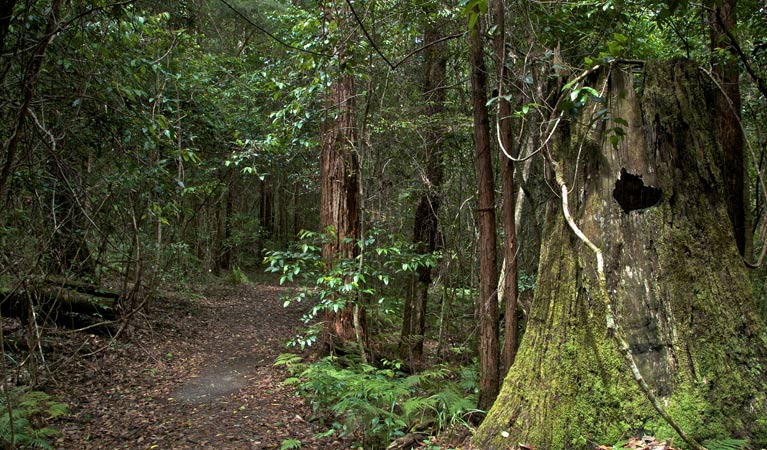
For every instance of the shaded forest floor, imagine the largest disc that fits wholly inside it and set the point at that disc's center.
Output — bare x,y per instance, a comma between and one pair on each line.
197,373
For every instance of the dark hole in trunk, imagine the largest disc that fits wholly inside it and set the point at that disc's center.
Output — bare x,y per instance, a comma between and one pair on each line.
631,193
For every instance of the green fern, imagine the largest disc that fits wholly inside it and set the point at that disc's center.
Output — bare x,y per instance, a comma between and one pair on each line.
380,403
238,276
726,444
289,444
288,360
17,428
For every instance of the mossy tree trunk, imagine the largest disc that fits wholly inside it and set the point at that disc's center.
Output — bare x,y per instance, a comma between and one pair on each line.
654,204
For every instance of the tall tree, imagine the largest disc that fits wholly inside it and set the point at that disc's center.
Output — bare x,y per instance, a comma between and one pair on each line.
489,354
340,183
722,22
508,150
425,226
653,203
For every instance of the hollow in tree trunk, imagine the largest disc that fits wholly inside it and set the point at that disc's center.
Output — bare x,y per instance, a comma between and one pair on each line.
653,202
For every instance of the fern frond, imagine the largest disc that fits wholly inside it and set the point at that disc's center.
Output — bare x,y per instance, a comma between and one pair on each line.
726,444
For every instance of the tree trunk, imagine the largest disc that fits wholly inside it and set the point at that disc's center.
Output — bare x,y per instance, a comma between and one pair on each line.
265,210
222,246
32,71
722,20
340,200
426,225
488,273
509,276
654,204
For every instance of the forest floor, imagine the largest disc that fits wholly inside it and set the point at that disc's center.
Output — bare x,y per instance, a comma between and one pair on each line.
197,373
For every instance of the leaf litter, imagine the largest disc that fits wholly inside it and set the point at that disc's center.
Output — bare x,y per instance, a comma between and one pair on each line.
197,373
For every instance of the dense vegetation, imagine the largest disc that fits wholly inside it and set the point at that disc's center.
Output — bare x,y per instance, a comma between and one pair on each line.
359,150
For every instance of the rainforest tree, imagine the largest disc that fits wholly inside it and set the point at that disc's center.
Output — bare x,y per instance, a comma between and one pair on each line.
652,201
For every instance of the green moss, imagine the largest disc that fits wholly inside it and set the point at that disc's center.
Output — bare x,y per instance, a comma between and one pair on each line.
578,392
570,389
694,414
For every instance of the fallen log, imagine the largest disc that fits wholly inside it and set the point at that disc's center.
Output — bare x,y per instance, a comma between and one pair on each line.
72,304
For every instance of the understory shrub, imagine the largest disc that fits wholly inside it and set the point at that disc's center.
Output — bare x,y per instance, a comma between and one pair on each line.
23,421
377,405
368,278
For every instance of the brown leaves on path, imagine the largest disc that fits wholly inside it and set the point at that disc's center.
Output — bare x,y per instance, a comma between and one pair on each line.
197,374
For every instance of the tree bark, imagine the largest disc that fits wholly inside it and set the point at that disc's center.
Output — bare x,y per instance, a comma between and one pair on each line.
426,224
489,354
340,199
509,275
654,204
722,20
265,207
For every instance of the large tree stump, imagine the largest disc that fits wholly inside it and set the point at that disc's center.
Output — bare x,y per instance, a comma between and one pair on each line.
653,202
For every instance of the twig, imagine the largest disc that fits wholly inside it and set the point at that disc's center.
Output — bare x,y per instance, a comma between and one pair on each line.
273,37
367,35
424,47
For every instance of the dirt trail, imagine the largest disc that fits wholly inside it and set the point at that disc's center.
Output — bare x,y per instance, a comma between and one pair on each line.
196,375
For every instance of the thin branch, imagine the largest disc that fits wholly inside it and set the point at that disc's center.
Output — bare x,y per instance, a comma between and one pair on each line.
761,84
367,35
272,36
424,47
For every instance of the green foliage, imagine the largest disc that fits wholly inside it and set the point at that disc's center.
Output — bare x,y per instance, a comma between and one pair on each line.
289,444
726,444
25,425
526,282
238,276
380,404
331,287
472,9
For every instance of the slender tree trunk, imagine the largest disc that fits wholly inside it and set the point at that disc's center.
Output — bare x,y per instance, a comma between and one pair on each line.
509,276
488,272
340,201
222,247
267,201
722,20
29,81
426,225
654,204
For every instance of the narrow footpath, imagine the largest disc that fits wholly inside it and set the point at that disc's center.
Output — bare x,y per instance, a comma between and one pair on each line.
197,374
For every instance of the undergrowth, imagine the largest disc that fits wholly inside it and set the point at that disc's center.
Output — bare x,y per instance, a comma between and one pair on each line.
377,405
25,426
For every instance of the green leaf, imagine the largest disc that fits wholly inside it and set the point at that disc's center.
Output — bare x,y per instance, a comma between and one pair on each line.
288,444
